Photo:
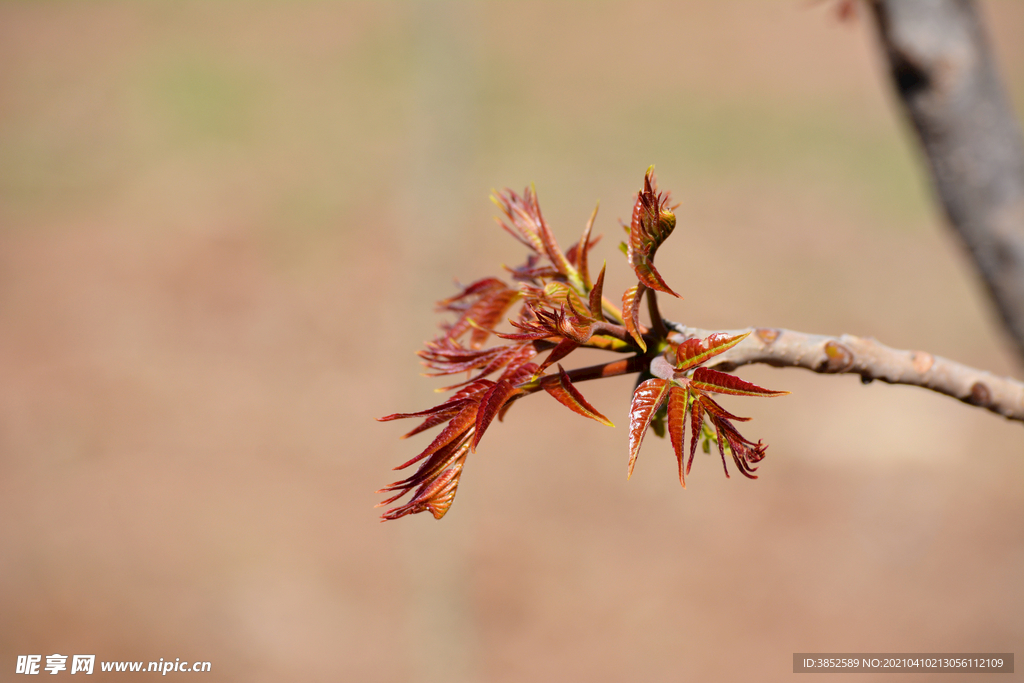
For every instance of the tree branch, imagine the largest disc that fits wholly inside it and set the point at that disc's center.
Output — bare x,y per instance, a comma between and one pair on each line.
869,359
946,79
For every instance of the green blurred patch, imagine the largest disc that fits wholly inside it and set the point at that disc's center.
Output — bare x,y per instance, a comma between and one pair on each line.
201,100
866,166
870,165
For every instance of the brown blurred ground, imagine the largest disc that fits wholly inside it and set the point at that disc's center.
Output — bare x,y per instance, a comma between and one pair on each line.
222,228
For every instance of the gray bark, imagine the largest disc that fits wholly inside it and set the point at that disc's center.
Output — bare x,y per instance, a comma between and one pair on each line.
946,79
872,361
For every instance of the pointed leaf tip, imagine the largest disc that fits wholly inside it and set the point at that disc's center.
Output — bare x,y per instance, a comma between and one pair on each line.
714,381
490,404
651,224
631,313
596,292
647,398
566,393
696,351
678,397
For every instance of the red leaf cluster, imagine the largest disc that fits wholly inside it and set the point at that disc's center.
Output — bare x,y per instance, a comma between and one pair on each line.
686,387
560,310
652,223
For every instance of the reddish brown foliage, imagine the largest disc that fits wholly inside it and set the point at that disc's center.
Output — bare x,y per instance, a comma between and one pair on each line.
561,310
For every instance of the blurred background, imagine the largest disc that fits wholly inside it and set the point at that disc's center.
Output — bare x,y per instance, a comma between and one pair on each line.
223,228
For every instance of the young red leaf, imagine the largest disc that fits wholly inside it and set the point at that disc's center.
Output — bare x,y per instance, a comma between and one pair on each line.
474,289
566,393
488,313
451,405
431,421
694,352
696,422
456,428
531,271
706,379
519,211
546,324
715,410
583,247
575,328
744,452
449,359
510,356
557,293
437,480
573,253
721,446
519,370
427,470
631,313
438,414
535,323
563,349
653,221
438,496
492,402
524,212
446,461
596,293
492,299
445,351
676,415
575,325
741,448
647,398
529,335
580,320
649,276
